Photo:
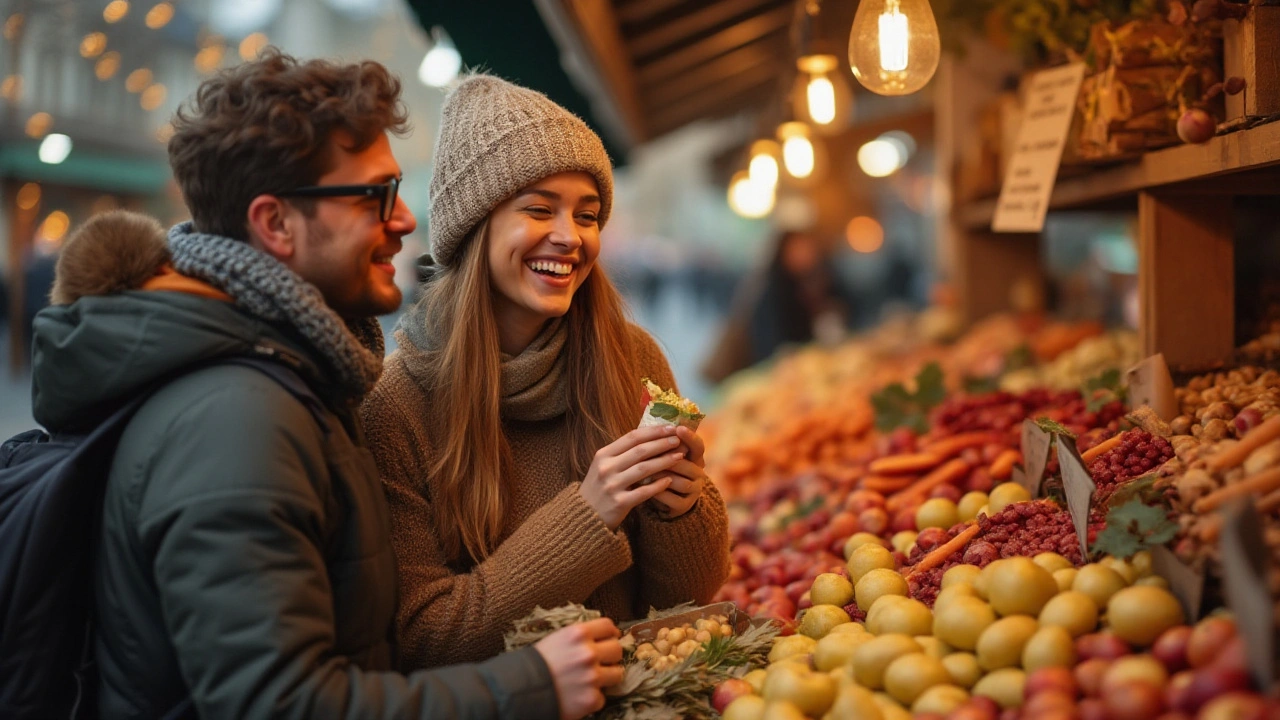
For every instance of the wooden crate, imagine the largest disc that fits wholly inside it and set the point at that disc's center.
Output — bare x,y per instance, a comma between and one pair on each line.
1252,51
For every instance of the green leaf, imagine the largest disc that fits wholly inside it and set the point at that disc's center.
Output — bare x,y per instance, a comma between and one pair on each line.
931,387
981,385
1135,488
665,411
1135,526
1019,358
1103,389
1054,427
1117,541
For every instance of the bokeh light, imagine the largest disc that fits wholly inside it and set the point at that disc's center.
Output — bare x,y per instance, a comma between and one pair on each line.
880,158
93,44
107,65
55,227
38,125
138,80
159,16
864,234
115,11
252,45
29,196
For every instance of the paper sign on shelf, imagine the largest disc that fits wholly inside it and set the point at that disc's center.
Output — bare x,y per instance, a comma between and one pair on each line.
1033,169
1078,487
1244,577
1035,455
1186,583
1151,384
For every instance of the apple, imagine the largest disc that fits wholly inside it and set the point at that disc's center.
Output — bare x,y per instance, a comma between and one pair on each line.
1100,645
930,538
947,491
1092,709
796,589
1171,648
1233,655
875,520
1235,706
904,520
979,481
1050,679
1089,674
1176,695
842,525
1049,702
860,501
1135,668
1133,700
1210,682
728,691
1207,640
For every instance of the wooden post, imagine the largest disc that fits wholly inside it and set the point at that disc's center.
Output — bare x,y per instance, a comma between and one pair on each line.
1186,278
990,265
1250,52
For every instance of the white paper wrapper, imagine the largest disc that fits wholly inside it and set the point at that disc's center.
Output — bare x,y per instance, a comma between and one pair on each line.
648,420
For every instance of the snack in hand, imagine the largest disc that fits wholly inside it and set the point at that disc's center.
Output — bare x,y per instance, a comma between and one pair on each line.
664,407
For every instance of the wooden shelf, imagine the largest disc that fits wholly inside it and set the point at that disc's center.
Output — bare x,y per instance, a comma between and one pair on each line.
1233,164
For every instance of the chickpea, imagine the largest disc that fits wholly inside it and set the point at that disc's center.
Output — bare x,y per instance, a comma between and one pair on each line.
663,632
687,648
676,636
703,636
662,646
713,627
726,631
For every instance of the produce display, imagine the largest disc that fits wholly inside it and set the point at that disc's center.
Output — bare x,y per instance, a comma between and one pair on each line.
911,575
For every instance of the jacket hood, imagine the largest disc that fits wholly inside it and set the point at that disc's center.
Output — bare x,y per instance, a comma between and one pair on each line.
103,349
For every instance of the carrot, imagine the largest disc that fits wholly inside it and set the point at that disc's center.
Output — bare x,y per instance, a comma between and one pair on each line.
904,464
1261,483
1256,438
954,445
883,484
1002,467
950,472
938,555
1270,502
1105,446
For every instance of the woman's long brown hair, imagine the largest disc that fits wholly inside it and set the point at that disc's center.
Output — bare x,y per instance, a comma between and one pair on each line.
472,463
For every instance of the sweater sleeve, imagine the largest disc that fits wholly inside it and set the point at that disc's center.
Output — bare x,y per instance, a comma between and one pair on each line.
685,559
560,554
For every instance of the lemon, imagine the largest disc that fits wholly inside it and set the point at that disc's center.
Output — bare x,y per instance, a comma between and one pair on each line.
876,584
905,616
867,558
902,541
906,678
857,540
963,667
1018,586
1005,686
947,594
1140,614
933,647
855,628
961,622
970,504
836,649
871,658
755,679
940,699
819,619
1122,568
855,703
1065,578
937,512
747,707
1072,611
1006,494
1099,582
1051,561
1051,646
791,645
831,589
1001,644
960,575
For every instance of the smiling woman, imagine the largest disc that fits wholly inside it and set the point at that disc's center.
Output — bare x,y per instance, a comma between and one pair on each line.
504,426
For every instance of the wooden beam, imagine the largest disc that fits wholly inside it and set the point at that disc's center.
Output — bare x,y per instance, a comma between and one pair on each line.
989,266
639,11
597,30
1186,279
715,102
758,57
698,21
690,56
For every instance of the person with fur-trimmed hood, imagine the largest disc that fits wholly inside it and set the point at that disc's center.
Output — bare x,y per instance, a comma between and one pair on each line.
244,567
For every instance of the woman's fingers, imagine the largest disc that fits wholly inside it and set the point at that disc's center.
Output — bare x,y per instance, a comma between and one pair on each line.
688,470
684,485
636,437
697,448
601,629
646,469
611,675
609,653
647,450
676,505
643,493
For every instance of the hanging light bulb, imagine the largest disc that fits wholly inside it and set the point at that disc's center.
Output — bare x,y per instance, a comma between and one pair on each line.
442,63
798,155
750,199
894,45
763,168
822,96
822,99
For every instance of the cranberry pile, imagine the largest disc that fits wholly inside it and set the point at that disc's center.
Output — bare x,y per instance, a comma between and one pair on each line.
1138,453
1023,529
1003,411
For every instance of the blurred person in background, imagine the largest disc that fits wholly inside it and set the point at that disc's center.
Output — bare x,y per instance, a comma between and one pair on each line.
795,298
245,568
505,424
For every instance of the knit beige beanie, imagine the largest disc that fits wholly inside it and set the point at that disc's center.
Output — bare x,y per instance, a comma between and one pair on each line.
496,139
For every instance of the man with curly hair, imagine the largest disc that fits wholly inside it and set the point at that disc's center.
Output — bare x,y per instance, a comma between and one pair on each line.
244,568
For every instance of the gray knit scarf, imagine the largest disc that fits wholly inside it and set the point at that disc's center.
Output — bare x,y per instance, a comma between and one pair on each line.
266,288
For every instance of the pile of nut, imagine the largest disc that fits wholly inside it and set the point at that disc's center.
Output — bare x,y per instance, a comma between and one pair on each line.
1227,404
674,645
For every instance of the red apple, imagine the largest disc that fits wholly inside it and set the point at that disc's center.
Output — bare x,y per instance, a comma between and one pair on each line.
862,500
842,525
979,481
875,520
949,492
1092,709
772,575
728,691
748,556
796,589
1207,640
1207,684
1171,648
1176,695
805,602
1233,655
1133,700
1089,674
1048,703
1235,706
904,520
1050,679
930,538
1012,713
983,707
1100,645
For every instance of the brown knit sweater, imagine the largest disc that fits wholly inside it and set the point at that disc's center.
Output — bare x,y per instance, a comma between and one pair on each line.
554,548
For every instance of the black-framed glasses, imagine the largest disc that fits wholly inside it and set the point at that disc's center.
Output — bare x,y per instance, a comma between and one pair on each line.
386,194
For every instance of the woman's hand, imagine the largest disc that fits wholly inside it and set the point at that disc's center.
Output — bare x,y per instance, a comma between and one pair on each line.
619,466
583,659
687,477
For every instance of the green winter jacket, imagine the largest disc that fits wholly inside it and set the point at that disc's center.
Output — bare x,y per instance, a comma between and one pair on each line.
245,559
